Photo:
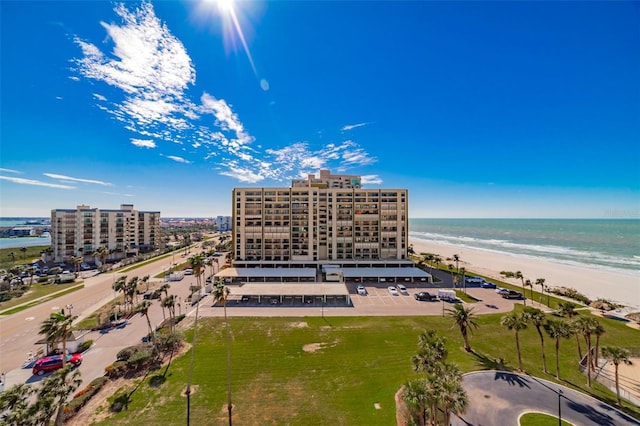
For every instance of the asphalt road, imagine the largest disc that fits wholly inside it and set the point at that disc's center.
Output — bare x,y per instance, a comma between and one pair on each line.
500,398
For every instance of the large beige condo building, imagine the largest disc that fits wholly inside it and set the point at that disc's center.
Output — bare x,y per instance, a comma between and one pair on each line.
330,219
82,231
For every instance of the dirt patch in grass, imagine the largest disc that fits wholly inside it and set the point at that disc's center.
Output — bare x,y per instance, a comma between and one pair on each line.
299,324
314,347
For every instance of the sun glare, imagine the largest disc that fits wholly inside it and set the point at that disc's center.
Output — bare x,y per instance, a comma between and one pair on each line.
225,6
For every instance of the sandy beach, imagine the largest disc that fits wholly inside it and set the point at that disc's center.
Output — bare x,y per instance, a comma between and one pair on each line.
594,283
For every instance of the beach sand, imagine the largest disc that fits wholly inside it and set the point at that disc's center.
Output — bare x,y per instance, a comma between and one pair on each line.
594,283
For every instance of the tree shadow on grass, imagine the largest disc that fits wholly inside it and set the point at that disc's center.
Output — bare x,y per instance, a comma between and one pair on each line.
491,363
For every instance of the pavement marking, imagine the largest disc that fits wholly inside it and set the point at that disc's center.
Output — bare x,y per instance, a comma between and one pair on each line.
55,308
29,318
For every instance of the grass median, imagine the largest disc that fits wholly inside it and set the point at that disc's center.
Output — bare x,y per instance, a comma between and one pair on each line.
38,293
332,370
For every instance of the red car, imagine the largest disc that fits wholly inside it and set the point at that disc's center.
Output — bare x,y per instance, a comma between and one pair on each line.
54,362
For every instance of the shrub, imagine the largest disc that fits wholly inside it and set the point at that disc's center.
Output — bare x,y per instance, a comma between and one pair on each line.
139,359
126,353
116,369
84,346
4,296
82,397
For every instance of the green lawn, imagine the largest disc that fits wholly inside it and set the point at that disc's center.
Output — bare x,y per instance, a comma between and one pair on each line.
35,292
540,419
360,361
32,253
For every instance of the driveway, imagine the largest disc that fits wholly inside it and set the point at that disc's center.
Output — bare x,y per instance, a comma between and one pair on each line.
499,398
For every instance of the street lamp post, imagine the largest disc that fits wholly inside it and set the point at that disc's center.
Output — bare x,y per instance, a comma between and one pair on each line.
559,407
69,308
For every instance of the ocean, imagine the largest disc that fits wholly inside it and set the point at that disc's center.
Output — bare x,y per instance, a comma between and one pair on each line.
24,241
609,244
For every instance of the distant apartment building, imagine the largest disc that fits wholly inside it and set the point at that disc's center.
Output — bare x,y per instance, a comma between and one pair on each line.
82,231
22,231
329,219
224,223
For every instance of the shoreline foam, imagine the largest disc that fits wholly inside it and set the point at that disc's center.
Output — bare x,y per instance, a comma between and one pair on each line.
593,283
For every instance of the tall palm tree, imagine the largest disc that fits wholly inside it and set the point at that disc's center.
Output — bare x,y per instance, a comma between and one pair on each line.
463,271
598,331
24,252
450,267
456,259
465,319
537,318
437,260
516,322
145,282
77,261
57,328
586,326
617,355
557,329
12,255
169,302
221,294
540,282
143,309
196,265
518,275
529,284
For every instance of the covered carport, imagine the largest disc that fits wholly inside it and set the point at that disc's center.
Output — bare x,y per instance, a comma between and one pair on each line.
267,275
387,275
298,291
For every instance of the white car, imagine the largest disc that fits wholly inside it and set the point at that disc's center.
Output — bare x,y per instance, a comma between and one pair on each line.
402,289
361,290
392,290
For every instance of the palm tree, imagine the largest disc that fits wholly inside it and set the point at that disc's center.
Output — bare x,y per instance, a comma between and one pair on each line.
196,264
598,331
431,350
169,302
452,397
529,284
103,252
518,275
54,394
463,271
24,252
557,329
465,319
77,261
416,395
121,285
14,405
145,281
450,267
540,282
426,259
456,259
586,326
515,322
437,260
617,355
537,318
12,255
57,328
143,309
221,294
132,290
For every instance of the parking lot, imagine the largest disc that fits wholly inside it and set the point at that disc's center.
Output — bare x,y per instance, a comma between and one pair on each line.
377,302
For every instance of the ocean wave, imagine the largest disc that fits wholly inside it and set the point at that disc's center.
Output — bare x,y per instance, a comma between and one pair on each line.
554,253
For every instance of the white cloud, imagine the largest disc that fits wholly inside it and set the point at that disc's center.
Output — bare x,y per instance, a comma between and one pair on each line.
353,126
154,76
242,174
178,159
72,179
22,181
143,143
371,179
9,171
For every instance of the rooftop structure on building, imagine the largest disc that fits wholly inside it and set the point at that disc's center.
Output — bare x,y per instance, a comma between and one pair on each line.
327,180
84,231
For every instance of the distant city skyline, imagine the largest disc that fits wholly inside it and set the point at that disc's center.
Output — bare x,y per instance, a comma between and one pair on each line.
479,109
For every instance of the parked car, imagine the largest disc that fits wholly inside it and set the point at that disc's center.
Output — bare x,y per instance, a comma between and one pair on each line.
402,289
424,295
500,290
392,290
188,271
361,290
54,362
474,280
488,284
511,294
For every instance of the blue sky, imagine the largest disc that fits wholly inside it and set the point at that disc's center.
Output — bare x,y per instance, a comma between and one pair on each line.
480,109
